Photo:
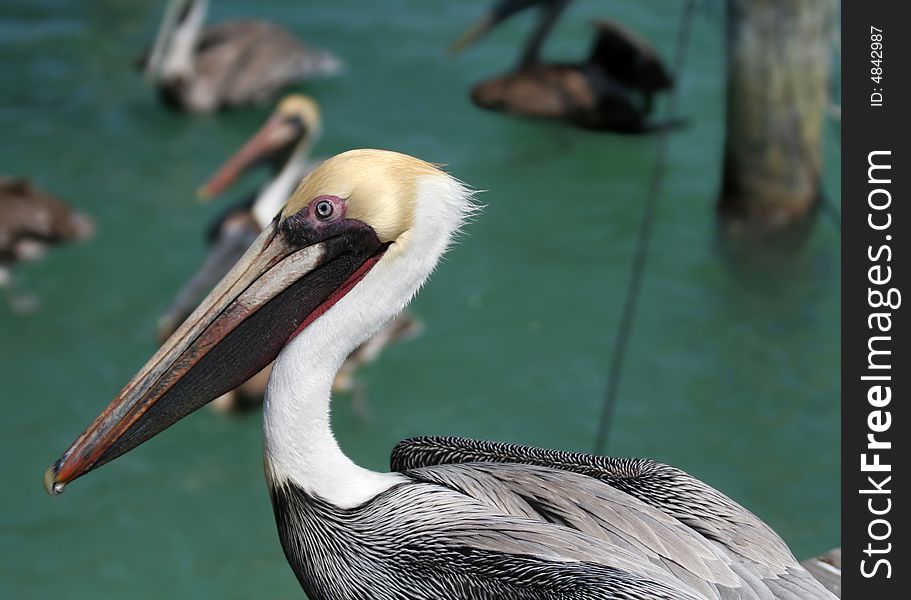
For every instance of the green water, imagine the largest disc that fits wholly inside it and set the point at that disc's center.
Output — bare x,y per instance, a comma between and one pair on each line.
731,377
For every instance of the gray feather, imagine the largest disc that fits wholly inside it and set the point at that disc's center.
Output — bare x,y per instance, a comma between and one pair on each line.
749,551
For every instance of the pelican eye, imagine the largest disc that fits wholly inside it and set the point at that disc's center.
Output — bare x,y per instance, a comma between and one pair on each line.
324,209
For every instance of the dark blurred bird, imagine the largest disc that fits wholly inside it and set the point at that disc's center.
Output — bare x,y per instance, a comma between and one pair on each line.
229,64
282,144
31,221
611,89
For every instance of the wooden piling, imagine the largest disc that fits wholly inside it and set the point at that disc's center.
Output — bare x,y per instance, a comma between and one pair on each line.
777,94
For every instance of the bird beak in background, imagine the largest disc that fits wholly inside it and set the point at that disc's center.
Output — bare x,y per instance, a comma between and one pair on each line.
276,134
275,291
503,10
478,29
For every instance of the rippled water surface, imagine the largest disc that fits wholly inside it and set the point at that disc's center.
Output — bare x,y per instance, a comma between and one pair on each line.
731,376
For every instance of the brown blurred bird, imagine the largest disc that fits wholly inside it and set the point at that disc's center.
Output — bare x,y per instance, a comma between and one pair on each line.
611,89
283,143
31,221
229,64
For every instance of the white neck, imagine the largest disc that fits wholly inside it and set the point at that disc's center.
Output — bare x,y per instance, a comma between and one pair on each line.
299,443
273,195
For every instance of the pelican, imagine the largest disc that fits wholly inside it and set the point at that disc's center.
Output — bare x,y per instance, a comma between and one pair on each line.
454,518
31,221
230,64
284,143
827,569
611,89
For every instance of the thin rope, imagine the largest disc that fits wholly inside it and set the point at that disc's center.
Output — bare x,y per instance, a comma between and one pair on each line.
621,344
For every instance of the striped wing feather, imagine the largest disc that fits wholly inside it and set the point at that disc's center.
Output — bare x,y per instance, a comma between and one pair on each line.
707,540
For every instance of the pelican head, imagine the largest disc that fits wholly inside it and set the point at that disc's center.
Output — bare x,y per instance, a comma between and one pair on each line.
293,126
354,243
502,10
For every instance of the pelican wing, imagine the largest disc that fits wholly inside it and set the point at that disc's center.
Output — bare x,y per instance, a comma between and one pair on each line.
597,511
547,560
629,58
660,510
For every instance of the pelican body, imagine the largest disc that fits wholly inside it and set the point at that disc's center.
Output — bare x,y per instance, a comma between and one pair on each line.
454,518
202,69
611,89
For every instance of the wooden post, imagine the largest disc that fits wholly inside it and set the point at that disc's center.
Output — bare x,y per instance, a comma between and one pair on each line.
777,76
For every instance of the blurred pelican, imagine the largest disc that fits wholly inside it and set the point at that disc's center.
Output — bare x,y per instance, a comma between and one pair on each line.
284,144
611,89
228,64
30,222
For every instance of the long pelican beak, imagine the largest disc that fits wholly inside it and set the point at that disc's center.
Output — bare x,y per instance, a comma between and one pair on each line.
278,133
291,274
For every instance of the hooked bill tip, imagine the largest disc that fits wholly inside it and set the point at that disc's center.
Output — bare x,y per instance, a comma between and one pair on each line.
51,485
